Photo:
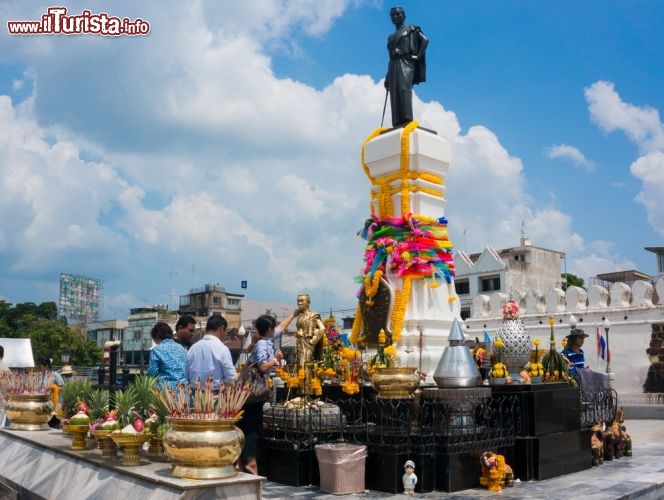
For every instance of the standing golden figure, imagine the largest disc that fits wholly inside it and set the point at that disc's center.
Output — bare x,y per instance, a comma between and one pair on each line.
310,331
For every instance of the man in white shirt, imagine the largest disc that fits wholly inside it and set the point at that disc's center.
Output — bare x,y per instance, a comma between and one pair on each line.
210,357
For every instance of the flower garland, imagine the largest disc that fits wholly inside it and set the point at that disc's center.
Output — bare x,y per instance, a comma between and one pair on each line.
55,394
404,166
412,247
417,246
358,326
371,286
400,305
373,135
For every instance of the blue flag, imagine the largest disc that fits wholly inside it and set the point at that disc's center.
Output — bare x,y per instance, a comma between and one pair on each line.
487,341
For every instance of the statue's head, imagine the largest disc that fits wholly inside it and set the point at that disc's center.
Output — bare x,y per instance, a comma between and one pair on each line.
303,301
398,15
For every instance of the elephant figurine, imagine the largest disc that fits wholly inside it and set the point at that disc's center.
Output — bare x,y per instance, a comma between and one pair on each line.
597,444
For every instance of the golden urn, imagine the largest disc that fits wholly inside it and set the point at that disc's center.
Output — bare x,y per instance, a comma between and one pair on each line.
29,412
395,382
203,448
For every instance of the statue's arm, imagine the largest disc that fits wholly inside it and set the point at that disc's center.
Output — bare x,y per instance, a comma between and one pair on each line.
320,329
424,42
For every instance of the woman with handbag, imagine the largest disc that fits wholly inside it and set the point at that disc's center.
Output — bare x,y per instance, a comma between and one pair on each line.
263,359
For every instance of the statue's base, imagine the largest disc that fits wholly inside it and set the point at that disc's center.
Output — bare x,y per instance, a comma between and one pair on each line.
430,311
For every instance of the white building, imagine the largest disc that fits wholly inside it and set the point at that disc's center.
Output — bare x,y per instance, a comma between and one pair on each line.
635,311
511,271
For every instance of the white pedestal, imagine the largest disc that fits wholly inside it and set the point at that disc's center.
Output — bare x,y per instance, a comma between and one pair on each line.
430,311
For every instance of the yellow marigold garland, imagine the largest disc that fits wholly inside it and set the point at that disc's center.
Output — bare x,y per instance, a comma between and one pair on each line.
405,166
358,325
399,311
371,286
55,394
373,134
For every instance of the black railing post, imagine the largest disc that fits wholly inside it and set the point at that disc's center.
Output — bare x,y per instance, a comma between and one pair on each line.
112,375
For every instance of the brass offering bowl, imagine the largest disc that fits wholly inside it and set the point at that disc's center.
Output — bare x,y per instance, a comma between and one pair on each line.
202,448
29,412
395,382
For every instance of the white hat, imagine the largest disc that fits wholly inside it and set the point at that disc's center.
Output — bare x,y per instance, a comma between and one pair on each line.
66,370
409,463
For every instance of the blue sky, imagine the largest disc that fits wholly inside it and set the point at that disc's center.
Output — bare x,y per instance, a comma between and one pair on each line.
224,146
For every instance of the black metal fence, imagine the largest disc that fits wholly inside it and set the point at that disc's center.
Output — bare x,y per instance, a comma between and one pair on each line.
415,425
598,406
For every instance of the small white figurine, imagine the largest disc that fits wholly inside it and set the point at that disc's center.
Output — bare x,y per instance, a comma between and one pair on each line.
409,478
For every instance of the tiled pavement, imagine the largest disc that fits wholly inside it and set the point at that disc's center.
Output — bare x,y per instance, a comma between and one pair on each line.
638,477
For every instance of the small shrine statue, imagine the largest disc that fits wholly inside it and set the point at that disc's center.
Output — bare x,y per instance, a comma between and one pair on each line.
310,331
496,474
409,478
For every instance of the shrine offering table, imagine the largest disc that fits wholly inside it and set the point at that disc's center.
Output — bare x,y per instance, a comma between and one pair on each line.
550,441
41,464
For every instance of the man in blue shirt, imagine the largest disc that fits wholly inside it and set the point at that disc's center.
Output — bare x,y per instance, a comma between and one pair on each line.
210,357
573,351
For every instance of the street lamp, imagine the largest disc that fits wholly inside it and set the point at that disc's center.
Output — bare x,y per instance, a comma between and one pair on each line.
609,373
66,368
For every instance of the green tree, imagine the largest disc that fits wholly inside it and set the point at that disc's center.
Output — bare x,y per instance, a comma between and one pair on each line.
48,333
570,279
50,337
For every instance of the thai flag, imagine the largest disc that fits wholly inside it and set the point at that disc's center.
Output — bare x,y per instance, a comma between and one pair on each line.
602,346
602,351
599,342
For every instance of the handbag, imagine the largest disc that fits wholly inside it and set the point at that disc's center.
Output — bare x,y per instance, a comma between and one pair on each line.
252,376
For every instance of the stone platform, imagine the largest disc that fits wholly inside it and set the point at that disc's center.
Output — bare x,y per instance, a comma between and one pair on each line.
638,477
40,464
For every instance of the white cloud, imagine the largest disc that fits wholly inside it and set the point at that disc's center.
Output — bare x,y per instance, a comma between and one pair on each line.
641,124
649,169
51,199
571,154
643,127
